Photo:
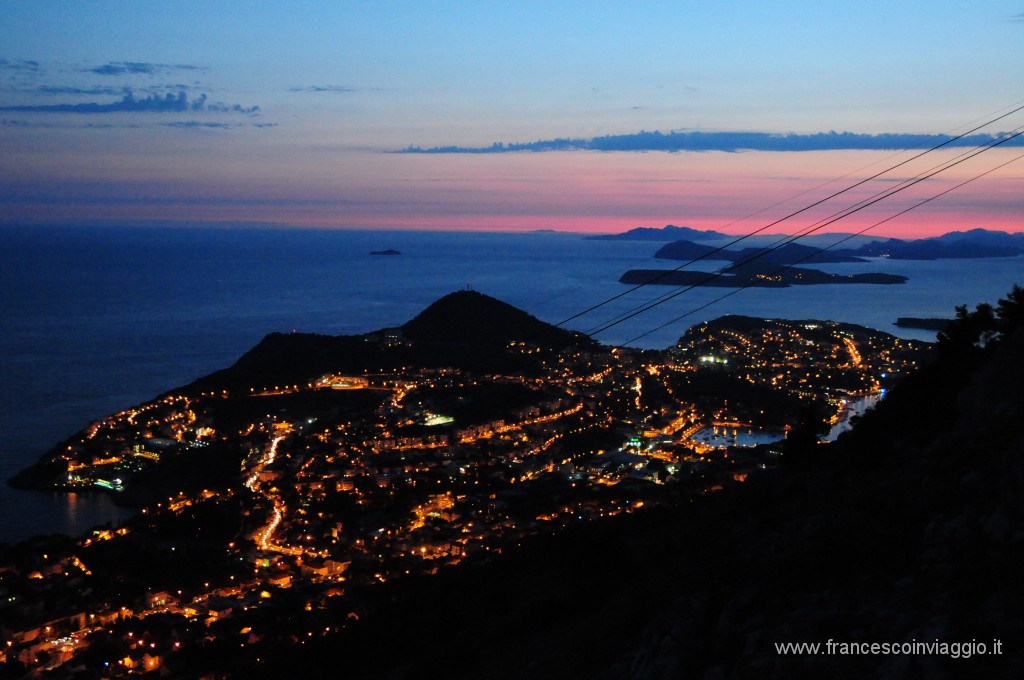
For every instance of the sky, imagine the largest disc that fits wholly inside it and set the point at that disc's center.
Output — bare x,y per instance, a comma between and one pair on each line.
576,116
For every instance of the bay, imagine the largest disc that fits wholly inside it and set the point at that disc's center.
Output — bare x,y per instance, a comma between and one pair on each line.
99,318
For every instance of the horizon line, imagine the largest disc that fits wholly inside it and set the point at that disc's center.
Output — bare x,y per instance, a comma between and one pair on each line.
280,226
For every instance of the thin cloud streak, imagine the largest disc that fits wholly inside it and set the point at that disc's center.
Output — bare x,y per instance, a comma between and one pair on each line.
169,103
179,124
333,89
200,124
121,68
722,141
20,65
59,90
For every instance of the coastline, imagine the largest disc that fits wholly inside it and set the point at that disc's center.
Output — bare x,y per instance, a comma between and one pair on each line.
101,341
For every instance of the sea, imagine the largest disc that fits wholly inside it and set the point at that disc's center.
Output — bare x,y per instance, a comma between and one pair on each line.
97,318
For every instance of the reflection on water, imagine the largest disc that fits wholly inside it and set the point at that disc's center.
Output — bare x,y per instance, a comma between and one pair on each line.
30,513
721,437
853,408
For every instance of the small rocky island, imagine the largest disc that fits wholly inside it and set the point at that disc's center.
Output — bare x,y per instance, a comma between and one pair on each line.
389,251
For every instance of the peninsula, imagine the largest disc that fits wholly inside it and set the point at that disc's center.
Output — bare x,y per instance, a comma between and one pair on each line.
320,476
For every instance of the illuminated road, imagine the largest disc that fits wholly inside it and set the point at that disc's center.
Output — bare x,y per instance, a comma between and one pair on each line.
263,536
268,458
851,347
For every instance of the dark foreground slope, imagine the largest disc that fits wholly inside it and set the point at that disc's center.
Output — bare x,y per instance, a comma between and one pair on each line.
909,529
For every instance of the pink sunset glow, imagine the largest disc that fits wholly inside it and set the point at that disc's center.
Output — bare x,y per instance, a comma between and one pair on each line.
565,191
404,118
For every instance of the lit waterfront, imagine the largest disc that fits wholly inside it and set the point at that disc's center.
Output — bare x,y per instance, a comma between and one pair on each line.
721,437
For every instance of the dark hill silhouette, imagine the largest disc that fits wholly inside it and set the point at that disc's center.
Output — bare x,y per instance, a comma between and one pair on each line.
468,317
938,249
787,254
688,250
974,243
793,252
988,237
464,329
291,358
669,232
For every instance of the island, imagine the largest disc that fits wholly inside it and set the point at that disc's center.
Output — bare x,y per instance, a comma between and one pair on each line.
389,251
937,249
775,266
669,232
753,278
928,324
789,253
754,267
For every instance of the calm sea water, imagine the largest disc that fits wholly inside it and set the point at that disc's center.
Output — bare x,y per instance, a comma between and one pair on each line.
97,319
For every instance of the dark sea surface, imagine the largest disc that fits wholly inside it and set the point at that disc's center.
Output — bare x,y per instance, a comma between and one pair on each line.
96,319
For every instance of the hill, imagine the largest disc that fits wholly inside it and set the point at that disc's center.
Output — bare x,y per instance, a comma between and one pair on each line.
688,250
975,243
464,329
795,252
784,255
669,232
936,249
467,317
984,237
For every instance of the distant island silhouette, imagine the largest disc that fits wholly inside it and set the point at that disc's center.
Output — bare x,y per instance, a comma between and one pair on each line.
389,251
972,244
669,232
791,253
753,278
773,266
686,244
929,324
